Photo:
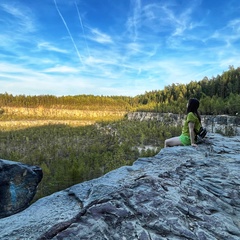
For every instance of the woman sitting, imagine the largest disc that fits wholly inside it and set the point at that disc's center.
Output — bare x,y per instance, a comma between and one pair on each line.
191,125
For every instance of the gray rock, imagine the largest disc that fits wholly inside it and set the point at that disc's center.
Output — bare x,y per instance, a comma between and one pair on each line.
18,183
228,125
181,193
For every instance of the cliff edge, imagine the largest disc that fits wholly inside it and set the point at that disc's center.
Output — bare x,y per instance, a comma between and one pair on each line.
181,193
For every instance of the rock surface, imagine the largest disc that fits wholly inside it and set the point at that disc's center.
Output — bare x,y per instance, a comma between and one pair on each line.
18,185
181,193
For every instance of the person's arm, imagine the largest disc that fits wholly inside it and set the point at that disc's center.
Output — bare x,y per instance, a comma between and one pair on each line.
192,134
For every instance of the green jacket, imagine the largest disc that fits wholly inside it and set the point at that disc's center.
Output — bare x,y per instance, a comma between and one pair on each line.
191,117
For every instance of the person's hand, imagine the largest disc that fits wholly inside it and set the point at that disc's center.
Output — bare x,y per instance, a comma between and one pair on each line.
194,145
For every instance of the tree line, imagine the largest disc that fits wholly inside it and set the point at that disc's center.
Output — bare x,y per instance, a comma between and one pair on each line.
217,95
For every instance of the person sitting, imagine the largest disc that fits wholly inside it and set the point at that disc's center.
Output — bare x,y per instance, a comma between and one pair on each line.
191,125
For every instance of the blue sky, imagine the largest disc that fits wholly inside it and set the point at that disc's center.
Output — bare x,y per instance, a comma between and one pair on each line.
114,47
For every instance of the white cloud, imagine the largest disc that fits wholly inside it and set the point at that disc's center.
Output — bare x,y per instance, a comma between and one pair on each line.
61,69
134,20
92,61
22,17
49,47
98,36
12,68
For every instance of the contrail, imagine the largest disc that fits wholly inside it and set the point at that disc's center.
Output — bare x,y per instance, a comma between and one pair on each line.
70,35
80,19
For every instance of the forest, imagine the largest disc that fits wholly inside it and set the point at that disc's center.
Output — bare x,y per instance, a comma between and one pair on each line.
72,154
218,95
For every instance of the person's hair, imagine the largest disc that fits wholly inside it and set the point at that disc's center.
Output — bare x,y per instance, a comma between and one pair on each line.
193,105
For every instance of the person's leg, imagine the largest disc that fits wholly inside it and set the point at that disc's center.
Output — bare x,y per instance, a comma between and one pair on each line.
175,141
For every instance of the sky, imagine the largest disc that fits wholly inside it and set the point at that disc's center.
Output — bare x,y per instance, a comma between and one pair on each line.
114,47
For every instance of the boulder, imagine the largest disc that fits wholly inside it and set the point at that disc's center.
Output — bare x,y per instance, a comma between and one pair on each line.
18,184
181,193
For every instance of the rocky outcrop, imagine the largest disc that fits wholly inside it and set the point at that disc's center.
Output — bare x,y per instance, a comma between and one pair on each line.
18,185
228,125
181,193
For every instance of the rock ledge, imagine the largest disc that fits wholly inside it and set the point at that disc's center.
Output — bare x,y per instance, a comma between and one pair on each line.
181,193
